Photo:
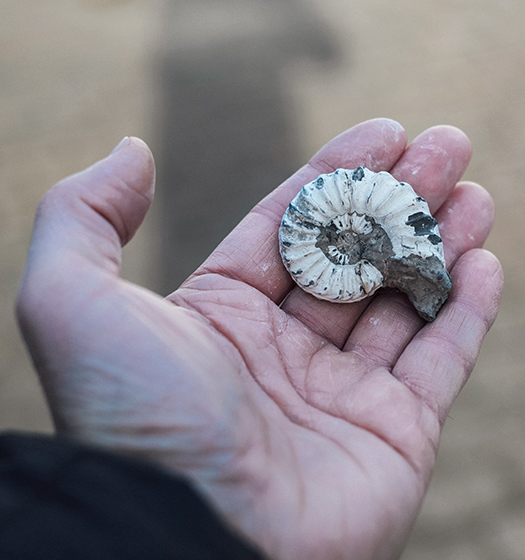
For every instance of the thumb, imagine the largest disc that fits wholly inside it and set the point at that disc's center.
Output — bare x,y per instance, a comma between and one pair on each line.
92,214
80,226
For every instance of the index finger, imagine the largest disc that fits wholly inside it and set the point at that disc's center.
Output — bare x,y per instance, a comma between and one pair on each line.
251,254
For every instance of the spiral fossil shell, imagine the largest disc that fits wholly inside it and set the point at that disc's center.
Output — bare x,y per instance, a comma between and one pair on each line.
350,232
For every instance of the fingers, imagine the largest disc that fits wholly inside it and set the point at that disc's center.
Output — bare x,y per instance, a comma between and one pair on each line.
250,253
438,362
434,162
465,220
390,322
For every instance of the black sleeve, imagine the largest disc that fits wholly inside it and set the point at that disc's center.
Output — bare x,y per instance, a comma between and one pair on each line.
60,500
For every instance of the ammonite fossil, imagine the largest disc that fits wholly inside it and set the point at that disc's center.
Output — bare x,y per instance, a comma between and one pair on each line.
350,232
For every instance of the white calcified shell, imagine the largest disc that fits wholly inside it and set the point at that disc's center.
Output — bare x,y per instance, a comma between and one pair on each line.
350,232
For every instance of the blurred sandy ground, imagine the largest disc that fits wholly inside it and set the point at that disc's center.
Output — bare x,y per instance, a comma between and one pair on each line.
250,89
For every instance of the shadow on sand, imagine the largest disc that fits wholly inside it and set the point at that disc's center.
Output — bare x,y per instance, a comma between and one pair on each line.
226,139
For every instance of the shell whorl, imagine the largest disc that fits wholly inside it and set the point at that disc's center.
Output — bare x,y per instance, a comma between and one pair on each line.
348,233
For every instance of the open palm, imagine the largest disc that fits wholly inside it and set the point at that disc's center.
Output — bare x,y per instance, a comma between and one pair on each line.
312,427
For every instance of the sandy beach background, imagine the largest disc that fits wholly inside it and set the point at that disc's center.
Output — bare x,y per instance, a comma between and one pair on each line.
246,91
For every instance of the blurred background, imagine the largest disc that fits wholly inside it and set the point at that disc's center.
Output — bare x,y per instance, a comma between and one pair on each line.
234,95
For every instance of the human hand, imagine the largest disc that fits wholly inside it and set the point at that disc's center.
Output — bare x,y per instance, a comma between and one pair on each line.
312,427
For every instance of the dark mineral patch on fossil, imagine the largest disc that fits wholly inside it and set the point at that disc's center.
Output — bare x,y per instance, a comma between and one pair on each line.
301,214
358,174
424,280
423,224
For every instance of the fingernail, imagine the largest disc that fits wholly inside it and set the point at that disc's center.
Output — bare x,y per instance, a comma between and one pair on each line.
123,143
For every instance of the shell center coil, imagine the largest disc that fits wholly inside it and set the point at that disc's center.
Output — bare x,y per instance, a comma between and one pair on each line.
351,238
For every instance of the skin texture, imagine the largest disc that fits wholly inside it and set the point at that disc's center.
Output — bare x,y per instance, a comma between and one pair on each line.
311,427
